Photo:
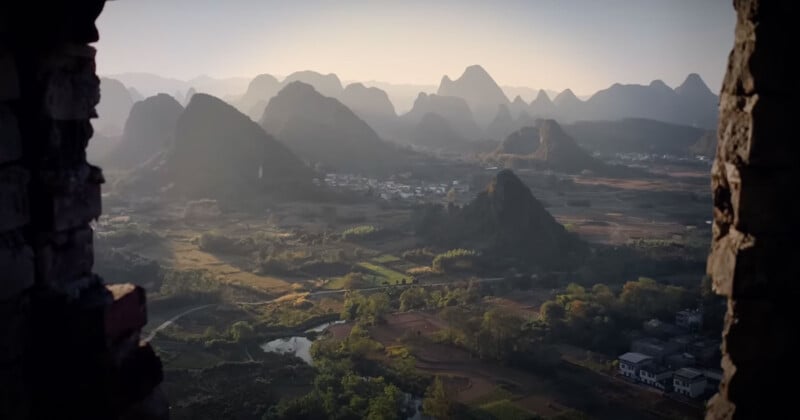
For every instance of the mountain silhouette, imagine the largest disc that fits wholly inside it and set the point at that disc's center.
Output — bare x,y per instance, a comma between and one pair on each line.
454,110
114,107
259,91
479,90
434,132
522,142
505,221
634,135
149,130
698,103
542,106
324,131
518,105
503,123
220,152
326,84
373,106
547,145
569,107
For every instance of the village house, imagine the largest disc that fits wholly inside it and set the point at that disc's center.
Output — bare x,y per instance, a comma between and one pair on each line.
654,347
631,363
657,376
689,382
679,360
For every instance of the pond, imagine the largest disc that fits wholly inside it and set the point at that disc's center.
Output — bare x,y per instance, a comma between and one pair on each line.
299,346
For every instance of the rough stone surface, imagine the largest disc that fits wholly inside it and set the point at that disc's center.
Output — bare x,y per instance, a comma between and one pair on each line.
10,147
13,198
9,84
69,346
16,265
754,182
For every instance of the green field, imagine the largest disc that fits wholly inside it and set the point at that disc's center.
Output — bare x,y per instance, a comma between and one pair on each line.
379,274
385,259
374,274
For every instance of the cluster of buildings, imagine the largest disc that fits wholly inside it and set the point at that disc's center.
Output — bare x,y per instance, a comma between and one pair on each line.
674,359
397,188
637,159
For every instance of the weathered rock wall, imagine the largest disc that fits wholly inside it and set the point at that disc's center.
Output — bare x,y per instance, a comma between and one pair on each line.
69,345
755,178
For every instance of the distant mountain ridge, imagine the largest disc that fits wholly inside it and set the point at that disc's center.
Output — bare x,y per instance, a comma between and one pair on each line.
324,131
478,89
219,152
149,130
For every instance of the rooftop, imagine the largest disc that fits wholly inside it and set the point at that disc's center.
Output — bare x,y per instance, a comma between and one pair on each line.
656,369
688,373
632,357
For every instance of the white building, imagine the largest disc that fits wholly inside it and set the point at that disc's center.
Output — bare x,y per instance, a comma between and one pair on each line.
689,382
656,376
631,363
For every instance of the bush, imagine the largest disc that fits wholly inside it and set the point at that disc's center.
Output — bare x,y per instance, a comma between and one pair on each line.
419,255
454,260
360,232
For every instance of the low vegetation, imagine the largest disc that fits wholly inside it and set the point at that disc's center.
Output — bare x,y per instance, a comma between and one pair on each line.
360,233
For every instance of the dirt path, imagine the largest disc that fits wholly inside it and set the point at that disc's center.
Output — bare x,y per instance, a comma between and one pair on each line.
169,322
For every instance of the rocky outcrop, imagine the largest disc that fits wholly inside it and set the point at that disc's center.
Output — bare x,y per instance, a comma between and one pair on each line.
509,220
479,90
149,130
547,145
559,151
706,145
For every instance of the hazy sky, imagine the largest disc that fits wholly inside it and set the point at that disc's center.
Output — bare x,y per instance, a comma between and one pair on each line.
585,45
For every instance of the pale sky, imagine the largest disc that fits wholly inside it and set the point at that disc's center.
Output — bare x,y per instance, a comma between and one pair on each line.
585,45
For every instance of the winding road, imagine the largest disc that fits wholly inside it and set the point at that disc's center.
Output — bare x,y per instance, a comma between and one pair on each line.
168,322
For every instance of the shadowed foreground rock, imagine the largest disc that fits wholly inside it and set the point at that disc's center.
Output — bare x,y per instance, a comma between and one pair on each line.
69,345
754,180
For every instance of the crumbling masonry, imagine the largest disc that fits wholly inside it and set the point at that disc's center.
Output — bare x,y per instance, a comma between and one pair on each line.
69,345
755,258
